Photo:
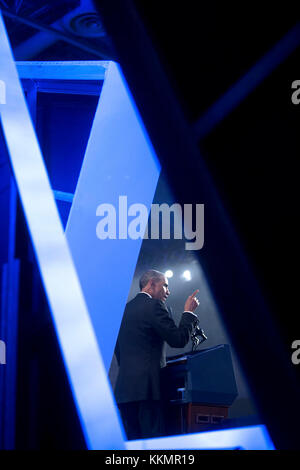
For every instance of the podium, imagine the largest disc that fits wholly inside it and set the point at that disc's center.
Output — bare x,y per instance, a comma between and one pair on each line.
198,389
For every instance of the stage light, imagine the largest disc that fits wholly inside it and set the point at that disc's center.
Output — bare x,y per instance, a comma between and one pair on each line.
187,275
169,273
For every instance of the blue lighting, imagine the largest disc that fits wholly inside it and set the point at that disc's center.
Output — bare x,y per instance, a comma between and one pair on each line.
82,357
69,70
119,160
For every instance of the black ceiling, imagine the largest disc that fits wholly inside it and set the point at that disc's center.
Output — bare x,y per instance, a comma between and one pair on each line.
71,30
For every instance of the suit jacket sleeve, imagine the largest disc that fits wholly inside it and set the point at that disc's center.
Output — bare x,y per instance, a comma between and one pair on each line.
176,337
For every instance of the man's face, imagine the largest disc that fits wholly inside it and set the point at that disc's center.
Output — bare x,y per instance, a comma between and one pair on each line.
160,289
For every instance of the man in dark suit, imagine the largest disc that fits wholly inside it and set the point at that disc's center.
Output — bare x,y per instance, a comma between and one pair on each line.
146,325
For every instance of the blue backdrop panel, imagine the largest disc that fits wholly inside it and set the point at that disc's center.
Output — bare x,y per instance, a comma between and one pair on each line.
119,161
84,366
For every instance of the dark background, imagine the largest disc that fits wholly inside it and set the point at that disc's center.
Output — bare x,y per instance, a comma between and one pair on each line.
252,154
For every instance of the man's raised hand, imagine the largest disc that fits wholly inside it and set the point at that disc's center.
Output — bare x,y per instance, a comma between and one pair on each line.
191,302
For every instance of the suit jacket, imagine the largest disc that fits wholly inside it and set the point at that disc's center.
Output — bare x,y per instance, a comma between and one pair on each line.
146,325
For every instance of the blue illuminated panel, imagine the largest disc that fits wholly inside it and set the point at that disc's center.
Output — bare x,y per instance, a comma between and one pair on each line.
75,332
69,70
119,161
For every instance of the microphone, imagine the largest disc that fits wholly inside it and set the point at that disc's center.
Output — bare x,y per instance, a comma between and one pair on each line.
198,336
202,334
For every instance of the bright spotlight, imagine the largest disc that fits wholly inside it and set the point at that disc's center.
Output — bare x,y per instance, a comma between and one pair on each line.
187,275
169,273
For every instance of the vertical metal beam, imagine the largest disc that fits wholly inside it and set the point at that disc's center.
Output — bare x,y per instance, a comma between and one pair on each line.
9,314
9,332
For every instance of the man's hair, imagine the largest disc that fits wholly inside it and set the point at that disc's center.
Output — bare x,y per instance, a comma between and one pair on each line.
148,275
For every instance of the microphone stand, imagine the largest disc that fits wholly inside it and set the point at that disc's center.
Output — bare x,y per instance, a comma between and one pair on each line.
198,336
